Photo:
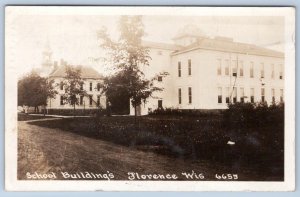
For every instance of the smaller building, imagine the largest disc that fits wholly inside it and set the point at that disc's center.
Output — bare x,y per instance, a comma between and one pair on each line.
92,99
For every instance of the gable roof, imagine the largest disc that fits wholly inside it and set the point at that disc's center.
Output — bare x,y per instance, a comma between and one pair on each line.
228,45
86,72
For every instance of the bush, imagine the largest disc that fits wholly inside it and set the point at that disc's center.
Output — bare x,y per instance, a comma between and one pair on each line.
258,130
185,112
250,115
78,112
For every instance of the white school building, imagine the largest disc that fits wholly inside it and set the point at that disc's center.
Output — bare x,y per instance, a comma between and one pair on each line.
53,70
208,73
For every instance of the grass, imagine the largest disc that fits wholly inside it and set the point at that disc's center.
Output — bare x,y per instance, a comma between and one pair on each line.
189,138
26,117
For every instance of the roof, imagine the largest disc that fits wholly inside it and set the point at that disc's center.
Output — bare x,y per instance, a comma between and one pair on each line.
86,72
159,45
227,45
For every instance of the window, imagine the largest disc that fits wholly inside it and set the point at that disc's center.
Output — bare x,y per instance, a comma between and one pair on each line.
190,67
273,95
263,95
91,86
241,69
81,100
179,95
91,100
159,103
98,87
252,95
227,95
159,78
61,85
262,70
179,69
98,100
242,95
234,97
219,70
281,72
234,68
272,72
61,100
190,95
219,95
281,95
226,67
251,70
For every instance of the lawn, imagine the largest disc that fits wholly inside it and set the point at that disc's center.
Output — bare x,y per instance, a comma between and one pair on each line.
26,117
188,138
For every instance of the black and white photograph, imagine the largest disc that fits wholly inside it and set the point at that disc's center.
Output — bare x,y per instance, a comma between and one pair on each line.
149,98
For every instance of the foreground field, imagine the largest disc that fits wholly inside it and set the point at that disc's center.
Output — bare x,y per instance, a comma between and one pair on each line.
187,140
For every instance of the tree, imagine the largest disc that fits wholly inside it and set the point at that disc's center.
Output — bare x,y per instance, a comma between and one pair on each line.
73,84
34,91
117,95
128,56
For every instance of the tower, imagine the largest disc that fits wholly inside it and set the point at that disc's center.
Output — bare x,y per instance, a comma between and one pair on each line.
47,64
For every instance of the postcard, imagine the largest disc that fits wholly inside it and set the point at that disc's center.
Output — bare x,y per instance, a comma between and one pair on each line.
137,98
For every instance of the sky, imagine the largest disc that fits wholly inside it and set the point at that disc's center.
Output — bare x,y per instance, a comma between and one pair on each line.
74,37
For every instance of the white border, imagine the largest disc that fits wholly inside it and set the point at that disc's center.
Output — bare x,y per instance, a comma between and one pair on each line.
12,184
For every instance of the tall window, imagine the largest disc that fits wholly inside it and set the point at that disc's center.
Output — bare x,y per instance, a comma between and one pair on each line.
190,67
159,103
263,95
227,95
179,69
281,95
179,95
98,87
219,69
219,95
98,100
234,96
234,68
159,78
61,85
91,86
91,100
251,69
81,100
190,95
252,95
281,72
272,71
242,95
241,69
61,100
226,67
273,95
262,70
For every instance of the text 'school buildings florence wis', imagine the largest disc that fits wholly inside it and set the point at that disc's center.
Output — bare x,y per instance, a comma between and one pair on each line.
203,73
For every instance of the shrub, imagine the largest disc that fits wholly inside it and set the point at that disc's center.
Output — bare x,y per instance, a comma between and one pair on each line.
78,112
250,115
185,112
257,129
